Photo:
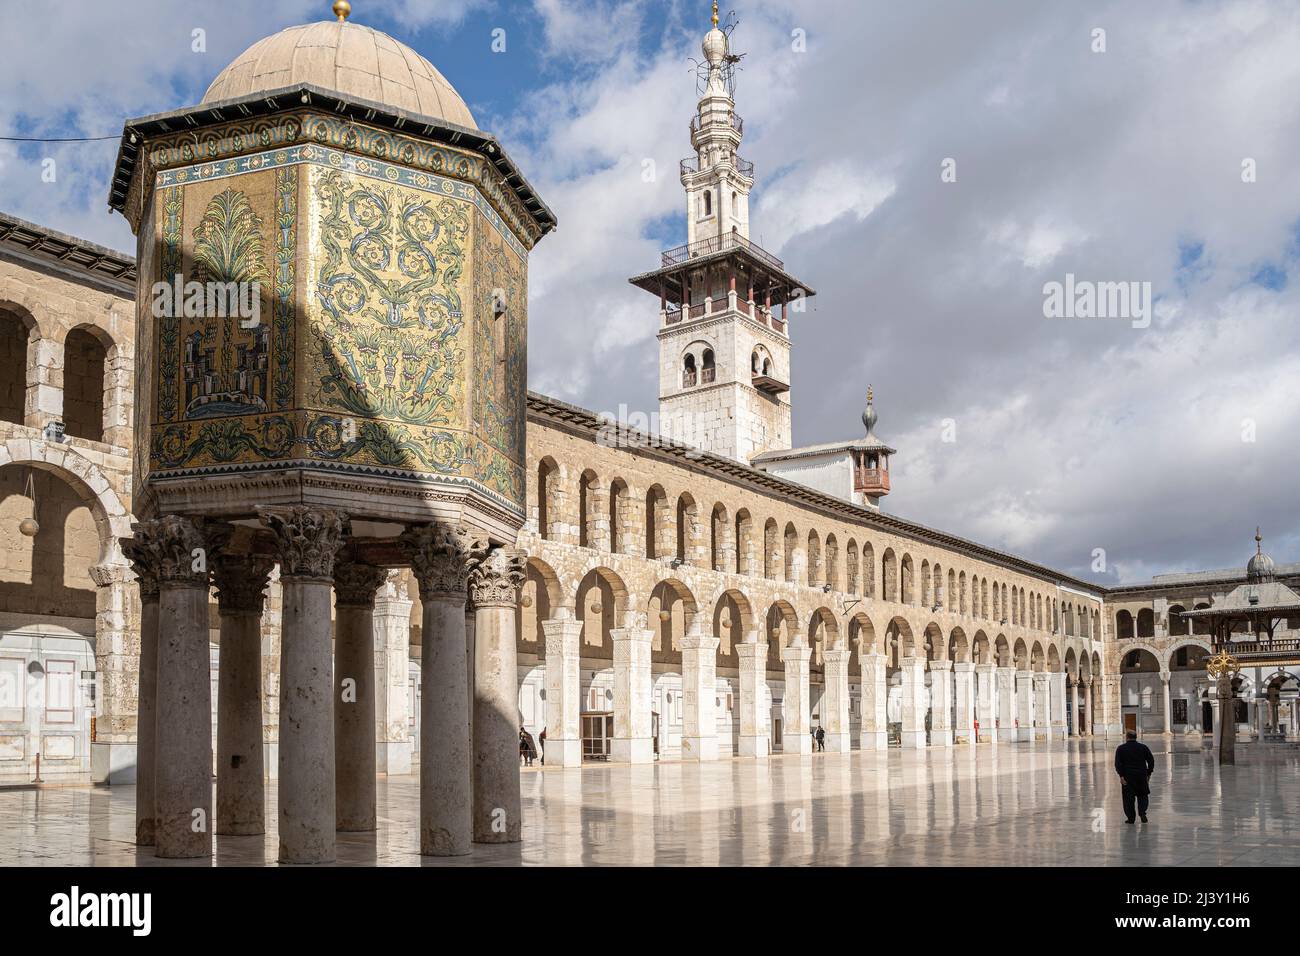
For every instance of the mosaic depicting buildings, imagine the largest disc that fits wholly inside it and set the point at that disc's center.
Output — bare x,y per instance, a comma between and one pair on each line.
381,496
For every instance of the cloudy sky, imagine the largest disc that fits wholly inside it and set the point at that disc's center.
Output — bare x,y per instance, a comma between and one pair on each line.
1154,142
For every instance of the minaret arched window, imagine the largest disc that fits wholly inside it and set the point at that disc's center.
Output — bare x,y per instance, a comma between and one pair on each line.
708,371
707,203
688,371
754,365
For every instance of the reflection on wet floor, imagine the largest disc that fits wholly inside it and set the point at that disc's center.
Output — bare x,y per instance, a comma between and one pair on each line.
1007,804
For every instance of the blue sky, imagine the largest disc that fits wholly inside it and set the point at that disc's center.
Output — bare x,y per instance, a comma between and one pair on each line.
1119,164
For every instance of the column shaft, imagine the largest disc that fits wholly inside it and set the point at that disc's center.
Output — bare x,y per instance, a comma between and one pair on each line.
986,712
563,690
240,795
754,723
914,703
183,769
875,697
633,692
796,703
445,805
835,701
941,703
354,718
699,697
963,681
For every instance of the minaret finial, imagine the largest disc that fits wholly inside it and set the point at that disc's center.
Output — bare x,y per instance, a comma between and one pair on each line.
715,14
342,9
1258,541
868,394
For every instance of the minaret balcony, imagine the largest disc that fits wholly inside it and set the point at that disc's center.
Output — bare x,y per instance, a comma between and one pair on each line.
711,307
734,121
713,244
691,165
872,481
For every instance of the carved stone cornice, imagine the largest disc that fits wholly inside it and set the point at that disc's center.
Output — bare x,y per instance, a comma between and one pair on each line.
440,556
495,577
241,582
307,539
173,549
355,584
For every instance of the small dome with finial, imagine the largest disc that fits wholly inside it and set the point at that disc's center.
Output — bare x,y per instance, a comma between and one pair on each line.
715,42
1259,570
869,415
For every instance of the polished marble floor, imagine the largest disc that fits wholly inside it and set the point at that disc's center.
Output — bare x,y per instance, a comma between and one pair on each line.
1009,804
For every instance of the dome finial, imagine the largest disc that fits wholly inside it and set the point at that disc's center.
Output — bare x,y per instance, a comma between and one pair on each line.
715,14
342,9
1259,542
869,415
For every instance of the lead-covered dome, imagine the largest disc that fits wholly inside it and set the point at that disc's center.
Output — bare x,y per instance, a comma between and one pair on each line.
346,58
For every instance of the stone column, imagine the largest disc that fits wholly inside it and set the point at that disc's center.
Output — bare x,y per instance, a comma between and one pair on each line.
798,715
754,725
354,695
1164,694
113,751
1007,709
1056,687
495,577
699,695
307,540
835,701
1042,705
183,762
875,695
240,581
1025,705
1076,727
439,560
1087,707
941,703
986,711
633,692
563,689
392,617
913,711
146,570
963,680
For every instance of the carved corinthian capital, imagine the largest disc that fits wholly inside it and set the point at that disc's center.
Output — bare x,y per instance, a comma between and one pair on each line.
142,563
440,556
171,549
307,539
241,582
355,584
495,577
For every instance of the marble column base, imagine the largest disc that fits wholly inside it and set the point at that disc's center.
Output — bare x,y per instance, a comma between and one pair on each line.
754,747
962,736
563,753
874,740
112,763
941,738
986,735
700,748
631,750
798,744
1008,734
913,739
1025,734
393,757
838,743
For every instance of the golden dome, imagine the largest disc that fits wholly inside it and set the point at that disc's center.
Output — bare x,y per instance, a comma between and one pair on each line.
346,58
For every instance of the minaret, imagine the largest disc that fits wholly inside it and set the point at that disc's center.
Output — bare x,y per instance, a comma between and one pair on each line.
724,302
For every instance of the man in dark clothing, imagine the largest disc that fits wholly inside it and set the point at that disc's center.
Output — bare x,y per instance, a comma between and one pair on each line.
1134,764
821,738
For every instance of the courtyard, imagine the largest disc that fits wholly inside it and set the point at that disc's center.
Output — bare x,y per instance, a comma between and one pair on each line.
1054,804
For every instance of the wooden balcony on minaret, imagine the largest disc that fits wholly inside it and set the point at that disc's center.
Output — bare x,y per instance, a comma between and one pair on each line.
872,482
